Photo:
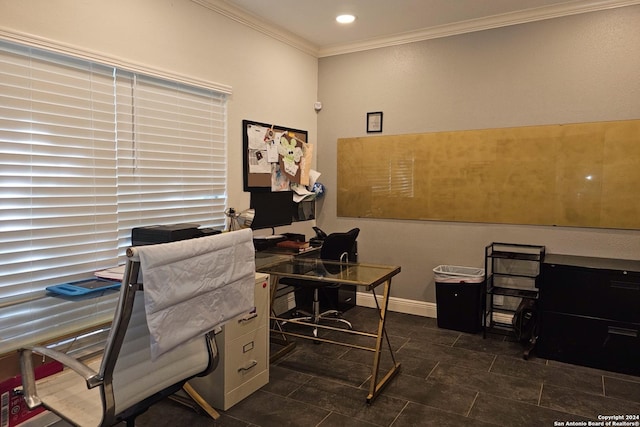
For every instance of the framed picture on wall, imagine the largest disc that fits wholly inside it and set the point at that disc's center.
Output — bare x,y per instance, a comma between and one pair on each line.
374,122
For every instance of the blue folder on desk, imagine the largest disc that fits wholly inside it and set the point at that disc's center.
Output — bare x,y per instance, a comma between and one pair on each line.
83,287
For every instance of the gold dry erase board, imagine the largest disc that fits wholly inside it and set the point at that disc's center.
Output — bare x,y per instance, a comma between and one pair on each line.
582,175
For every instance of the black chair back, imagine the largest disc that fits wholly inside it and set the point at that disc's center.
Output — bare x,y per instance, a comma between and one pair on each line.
336,244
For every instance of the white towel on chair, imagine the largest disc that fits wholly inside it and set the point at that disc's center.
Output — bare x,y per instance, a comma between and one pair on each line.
192,286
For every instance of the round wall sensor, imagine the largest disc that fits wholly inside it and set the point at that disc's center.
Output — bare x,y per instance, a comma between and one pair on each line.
317,106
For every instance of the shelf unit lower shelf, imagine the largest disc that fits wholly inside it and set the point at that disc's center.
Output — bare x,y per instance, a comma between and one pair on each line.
513,292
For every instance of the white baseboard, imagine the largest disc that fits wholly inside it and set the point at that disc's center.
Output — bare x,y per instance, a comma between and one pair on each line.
401,305
419,308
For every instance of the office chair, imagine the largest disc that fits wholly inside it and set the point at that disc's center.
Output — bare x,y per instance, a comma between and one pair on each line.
125,382
335,247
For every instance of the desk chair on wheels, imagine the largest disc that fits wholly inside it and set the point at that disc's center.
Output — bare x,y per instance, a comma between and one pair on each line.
126,381
336,247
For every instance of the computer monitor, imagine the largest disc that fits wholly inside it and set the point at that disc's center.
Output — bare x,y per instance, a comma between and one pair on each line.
272,209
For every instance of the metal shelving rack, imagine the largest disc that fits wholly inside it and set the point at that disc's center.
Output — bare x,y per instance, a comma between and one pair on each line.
512,274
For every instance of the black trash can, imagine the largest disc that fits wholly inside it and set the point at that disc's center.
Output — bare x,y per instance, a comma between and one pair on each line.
459,293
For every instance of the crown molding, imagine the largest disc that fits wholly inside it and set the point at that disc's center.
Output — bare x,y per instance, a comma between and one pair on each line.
473,25
496,21
254,22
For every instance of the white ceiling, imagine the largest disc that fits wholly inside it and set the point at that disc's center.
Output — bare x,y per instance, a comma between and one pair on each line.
310,24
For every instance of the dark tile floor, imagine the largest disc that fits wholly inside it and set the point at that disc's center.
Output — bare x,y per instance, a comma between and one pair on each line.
447,378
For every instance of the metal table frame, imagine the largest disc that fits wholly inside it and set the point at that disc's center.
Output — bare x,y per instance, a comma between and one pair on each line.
364,276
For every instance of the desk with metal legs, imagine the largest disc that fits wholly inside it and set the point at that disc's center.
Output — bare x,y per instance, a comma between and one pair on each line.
365,276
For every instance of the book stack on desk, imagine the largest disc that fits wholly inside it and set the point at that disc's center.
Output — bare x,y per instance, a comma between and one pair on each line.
291,244
265,242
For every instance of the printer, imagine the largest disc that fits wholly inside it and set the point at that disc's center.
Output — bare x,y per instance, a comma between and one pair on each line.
153,234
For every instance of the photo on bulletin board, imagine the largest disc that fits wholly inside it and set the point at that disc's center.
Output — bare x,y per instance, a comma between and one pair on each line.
274,156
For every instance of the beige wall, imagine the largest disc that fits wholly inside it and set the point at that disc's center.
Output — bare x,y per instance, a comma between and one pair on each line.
566,70
271,81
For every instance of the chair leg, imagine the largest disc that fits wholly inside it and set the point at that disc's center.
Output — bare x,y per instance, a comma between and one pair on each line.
303,319
316,311
336,317
316,316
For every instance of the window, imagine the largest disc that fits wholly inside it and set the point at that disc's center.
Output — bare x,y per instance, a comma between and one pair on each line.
168,169
87,152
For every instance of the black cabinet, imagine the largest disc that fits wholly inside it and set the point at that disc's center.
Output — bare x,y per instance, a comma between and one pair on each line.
590,312
460,306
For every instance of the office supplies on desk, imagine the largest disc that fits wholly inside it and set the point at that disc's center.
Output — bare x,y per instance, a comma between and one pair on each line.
83,287
293,244
319,237
115,273
265,242
239,220
276,237
168,233
295,237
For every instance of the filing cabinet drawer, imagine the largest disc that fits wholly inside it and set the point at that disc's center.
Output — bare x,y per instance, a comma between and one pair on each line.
606,294
243,368
247,322
246,357
599,343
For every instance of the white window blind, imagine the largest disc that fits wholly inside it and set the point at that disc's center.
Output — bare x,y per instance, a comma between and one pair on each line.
58,205
87,152
171,154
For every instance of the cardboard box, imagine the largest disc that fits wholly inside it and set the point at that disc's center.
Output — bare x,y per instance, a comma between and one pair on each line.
14,408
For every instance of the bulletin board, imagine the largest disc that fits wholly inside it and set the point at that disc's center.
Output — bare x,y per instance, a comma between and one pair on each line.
582,175
274,156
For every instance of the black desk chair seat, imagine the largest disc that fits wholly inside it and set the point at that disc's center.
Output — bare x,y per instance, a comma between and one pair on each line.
336,247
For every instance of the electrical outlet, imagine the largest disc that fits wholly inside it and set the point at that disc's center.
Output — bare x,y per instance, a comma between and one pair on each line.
498,299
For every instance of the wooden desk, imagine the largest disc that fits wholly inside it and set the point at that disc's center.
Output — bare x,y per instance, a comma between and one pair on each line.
365,276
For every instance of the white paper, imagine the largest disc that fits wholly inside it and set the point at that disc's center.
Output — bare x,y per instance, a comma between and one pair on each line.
272,151
115,273
301,193
279,181
255,135
313,177
258,162
290,167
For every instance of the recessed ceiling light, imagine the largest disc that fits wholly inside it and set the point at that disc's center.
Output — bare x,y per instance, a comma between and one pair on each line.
345,19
